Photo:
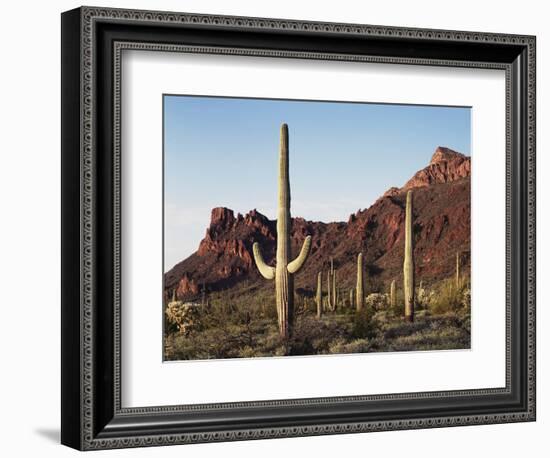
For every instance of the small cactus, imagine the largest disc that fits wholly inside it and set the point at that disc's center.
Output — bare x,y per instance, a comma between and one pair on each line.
351,293
408,263
392,294
331,286
359,293
457,271
284,271
319,295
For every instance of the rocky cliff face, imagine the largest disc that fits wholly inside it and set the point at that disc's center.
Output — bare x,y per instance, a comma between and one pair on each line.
442,228
445,166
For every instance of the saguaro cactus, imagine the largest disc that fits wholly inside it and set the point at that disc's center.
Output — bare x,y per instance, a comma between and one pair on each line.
331,287
392,294
334,291
457,271
319,295
329,290
284,271
351,293
408,263
359,293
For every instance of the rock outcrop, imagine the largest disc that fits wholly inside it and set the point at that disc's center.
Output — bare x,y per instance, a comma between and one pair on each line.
445,166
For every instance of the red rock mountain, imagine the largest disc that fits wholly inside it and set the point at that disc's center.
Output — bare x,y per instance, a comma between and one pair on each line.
441,229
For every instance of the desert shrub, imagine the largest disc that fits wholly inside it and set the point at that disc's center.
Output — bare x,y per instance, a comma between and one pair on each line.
421,313
312,336
383,316
442,339
447,297
260,303
399,309
202,345
266,303
466,298
224,341
184,316
355,346
248,352
466,323
448,331
169,325
422,297
363,324
399,327
377,301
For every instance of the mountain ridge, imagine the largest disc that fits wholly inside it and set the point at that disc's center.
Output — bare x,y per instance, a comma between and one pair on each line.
442,228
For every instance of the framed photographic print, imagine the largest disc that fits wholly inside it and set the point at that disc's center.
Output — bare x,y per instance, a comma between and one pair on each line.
279,228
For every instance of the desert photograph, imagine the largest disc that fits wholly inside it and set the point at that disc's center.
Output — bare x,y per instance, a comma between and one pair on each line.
301,228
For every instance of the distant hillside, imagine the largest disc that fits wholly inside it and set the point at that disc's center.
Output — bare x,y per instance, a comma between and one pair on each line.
224,257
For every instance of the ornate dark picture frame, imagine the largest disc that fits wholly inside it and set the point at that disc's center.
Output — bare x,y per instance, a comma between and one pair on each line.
92,41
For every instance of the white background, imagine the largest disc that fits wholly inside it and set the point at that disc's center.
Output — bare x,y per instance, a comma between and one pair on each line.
147,76
30,244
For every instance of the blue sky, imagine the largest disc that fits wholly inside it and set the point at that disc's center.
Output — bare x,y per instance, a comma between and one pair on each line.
223,152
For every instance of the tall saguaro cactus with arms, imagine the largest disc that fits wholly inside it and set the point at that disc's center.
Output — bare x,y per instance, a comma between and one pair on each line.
284,271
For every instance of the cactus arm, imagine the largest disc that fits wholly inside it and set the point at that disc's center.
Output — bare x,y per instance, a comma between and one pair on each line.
267,272
297,264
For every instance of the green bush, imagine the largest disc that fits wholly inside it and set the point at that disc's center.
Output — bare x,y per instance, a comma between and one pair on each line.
448,298
363,324
312,336
377,301
355,346
399,309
